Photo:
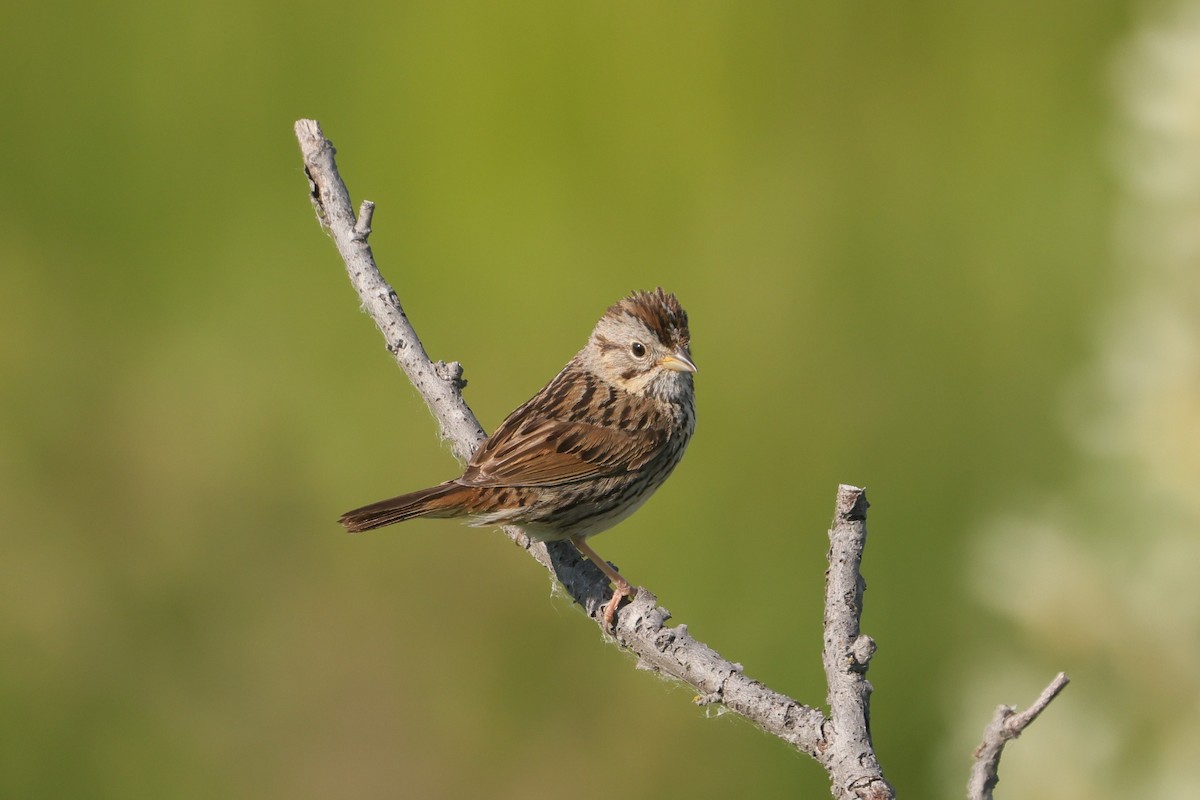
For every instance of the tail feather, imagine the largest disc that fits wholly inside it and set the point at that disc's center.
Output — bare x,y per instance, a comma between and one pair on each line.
437,501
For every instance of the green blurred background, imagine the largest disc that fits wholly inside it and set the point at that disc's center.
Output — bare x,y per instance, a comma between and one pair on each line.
918,254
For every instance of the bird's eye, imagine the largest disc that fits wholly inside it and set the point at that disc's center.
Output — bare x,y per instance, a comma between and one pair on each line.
638,349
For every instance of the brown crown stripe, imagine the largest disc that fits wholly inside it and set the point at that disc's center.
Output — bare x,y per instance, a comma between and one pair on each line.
660,312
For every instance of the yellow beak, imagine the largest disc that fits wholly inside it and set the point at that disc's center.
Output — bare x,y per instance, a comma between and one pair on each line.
680,361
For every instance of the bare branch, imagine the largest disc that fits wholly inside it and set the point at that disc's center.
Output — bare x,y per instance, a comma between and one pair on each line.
331,201
847,654
1006,725
841,744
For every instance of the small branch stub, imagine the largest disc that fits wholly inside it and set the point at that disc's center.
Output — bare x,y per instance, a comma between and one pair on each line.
362,226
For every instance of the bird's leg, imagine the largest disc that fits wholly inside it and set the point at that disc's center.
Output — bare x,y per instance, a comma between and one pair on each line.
621,587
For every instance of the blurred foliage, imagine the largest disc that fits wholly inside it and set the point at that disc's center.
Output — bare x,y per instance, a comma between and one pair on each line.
892,228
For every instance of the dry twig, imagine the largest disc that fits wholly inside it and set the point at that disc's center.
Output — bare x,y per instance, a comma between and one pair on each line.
1006,725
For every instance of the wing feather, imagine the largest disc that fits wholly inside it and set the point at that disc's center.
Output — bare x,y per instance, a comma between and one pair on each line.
544,443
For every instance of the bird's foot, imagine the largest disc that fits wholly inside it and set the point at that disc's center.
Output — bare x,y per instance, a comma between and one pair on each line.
620,590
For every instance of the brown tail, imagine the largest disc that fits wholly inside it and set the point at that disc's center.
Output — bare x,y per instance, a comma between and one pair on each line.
438,501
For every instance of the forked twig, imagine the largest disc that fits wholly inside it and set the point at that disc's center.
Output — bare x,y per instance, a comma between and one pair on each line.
1005,726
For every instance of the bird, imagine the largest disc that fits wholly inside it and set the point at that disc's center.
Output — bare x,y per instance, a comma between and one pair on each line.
588,449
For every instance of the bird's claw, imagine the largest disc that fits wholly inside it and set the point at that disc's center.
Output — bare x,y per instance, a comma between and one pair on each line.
610,610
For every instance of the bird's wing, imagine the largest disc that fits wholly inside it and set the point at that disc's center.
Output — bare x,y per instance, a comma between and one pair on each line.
529,451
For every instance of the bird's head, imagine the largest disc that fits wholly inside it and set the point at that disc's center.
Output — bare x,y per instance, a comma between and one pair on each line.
640,345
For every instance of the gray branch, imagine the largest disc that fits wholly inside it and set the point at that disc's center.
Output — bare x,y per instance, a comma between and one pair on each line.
440,383
1005,726
841,743
852,766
